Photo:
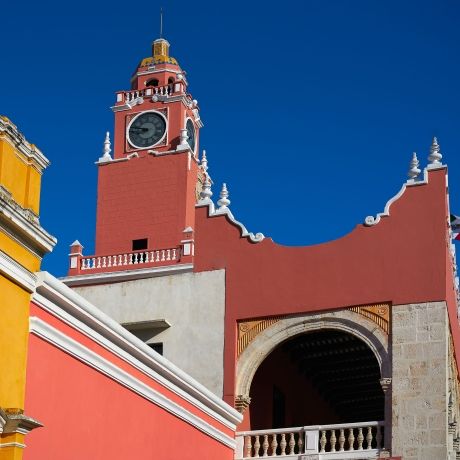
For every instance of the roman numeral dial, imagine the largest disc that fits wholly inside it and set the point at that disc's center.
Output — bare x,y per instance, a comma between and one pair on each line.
146,130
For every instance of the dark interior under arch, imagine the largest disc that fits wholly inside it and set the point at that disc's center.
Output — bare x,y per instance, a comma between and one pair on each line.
321,377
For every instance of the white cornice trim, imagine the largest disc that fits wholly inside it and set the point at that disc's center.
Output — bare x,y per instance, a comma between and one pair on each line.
126,275
213,212
370,221
76,311
25,222
19,142
12,444
16,272
48,333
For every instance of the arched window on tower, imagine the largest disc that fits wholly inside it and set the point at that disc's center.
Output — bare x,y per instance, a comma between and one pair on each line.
170,80
152,82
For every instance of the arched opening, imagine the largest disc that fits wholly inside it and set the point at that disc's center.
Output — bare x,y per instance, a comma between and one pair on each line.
170,80
152,82
325,376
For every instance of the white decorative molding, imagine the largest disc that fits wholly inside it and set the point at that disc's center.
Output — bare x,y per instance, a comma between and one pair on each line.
435,156
414,169
105,158
16,272
64,303
48,333
212,212
25,222
12,444
9,131
125,275
371,220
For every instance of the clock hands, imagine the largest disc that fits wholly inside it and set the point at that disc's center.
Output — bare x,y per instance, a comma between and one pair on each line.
133,128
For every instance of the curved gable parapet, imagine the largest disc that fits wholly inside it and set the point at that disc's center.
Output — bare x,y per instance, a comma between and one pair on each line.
224,211
369,221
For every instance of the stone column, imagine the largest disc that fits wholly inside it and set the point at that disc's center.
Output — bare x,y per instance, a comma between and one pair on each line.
420,378
385,382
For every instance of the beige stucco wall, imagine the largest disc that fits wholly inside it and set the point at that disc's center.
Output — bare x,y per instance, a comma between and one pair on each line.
194,305
420,334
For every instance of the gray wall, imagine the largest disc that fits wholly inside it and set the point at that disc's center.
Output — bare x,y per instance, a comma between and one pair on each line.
194,305
420,334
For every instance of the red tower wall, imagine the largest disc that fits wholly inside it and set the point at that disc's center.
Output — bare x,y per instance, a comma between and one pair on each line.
146,197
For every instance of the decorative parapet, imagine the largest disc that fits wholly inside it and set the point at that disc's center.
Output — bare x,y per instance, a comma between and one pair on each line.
414,171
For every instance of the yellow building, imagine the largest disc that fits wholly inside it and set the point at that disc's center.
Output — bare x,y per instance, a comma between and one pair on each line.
23,243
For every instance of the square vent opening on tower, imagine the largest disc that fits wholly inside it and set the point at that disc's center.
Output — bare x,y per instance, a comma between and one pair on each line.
139,245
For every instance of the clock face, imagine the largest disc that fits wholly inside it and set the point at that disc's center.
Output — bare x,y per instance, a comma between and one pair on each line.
191,134
146,130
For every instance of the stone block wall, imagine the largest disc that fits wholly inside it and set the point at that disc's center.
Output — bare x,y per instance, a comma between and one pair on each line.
420,339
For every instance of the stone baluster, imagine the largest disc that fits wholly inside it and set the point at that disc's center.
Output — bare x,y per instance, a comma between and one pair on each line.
120,260
300,442
283,444
135,258
322,441
256,446
158,256
341,440
93,262
98,262
274,444
351,440
173,254
360,438
333,441
168,254
114,261
291,443
265,446
369,437
163,255
125,259
248,447
104,262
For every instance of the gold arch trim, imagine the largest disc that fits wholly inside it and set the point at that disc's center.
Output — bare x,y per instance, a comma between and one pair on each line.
248,330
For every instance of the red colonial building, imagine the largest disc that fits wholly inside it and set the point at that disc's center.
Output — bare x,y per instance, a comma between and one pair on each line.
342,350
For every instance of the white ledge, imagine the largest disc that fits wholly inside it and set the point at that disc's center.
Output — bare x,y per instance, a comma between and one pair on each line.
125,275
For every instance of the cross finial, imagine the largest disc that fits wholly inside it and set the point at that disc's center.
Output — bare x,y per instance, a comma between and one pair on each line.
435,156
414,170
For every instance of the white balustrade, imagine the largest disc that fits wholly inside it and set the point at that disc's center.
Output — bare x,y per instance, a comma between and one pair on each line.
127,259
346,441
130,96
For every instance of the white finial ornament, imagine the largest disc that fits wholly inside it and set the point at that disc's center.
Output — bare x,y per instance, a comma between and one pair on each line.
206,192
224,202
106,150
204,162
414,170
435,153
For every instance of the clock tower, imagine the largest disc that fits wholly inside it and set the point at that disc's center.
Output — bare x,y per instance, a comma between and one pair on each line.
147,189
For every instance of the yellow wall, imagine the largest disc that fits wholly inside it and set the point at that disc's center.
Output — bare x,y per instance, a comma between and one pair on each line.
20,175
14,328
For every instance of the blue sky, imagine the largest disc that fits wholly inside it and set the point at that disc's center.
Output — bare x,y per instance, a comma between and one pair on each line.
311,108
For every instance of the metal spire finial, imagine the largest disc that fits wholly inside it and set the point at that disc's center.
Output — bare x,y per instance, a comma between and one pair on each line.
161,22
